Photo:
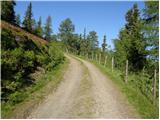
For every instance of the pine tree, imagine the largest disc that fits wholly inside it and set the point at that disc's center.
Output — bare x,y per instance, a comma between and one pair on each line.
34,26
82,44
40,27
92,39
66,30
28,21
18,20
151,28
7,11
122,45
136,52
84,34
39,30
48,28
104,44
80,37
131,44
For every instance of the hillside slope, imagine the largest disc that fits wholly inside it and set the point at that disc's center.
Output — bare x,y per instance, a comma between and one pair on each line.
23,56
21,32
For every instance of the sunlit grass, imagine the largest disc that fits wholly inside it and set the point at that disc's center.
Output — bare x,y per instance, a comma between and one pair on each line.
143,106
36,93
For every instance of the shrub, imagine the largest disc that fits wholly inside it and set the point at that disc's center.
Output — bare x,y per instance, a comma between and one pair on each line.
17,97
20,57
7,40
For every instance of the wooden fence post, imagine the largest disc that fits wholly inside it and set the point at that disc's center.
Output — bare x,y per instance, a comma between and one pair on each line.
143,70
105,61
66,50
92,55
126,77
99,58
154,86
86,55
112,63
96,57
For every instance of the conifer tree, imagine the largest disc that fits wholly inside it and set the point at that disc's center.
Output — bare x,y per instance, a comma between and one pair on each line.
28,21
104,44
34,26
82,45
66,30
7,11
151,28
48,28
136,53
131,44
39,30
84,34
92,39
18,20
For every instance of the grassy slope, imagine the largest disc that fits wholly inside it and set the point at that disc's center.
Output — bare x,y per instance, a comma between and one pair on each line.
21,33
35,94
143,106
44,85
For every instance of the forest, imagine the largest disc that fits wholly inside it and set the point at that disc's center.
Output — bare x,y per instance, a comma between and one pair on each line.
134,59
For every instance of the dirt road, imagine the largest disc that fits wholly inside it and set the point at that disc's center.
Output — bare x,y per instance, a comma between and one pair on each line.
85,92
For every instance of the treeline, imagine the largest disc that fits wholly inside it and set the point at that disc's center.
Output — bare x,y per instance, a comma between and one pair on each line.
137,40
137,43
28,23
67,35
80,44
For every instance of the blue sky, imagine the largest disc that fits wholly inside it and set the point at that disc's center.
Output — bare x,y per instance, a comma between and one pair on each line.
105,17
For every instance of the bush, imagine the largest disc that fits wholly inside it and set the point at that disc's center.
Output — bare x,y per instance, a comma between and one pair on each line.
7,40
28,59
17,97
55,56
20,58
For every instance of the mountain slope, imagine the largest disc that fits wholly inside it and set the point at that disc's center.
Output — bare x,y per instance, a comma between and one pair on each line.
21,32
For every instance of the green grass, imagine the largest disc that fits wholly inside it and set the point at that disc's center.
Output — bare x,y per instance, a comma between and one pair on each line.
26,101
142,105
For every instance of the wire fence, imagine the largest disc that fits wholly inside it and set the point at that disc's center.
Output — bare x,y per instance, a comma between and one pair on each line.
143,82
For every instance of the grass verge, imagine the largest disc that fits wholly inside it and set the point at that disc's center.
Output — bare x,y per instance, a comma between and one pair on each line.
142,105
34,94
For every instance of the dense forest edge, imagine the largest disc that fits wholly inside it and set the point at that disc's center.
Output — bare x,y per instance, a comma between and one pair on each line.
31,56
